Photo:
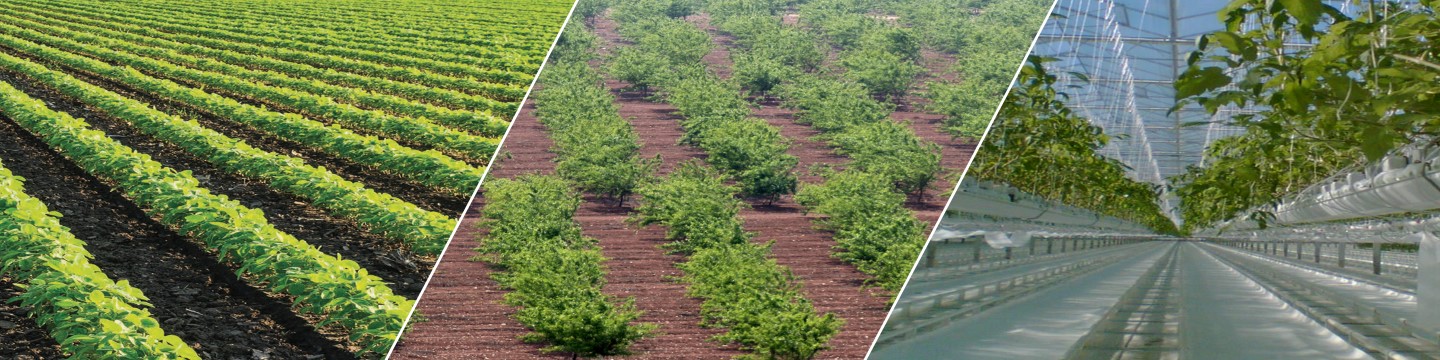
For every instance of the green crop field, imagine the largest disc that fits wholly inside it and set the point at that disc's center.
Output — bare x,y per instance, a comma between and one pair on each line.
243,178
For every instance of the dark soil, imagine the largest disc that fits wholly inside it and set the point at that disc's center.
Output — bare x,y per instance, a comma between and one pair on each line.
20,337
373,178
287,212
195,297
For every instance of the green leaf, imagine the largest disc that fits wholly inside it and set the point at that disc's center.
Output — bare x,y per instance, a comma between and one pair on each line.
1376,141
1306,12
1193,83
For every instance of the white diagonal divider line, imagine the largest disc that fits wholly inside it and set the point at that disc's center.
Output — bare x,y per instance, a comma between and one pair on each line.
980,147
473,193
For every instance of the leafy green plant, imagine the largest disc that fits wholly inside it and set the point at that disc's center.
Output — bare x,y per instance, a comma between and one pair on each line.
871,224
339,291
428,167
755,152
425,232
883,73
636,67
595,147
148,37
1364,87
892,151
1040,146
414,130
759,73
758,301
554,274
90,315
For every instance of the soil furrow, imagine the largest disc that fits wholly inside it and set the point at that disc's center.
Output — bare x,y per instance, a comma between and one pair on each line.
20,337
636,267
195,296
288,213
954,152
832,285
373,178
461,310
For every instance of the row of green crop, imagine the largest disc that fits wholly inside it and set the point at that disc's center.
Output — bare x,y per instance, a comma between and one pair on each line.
518,32
859,127
430,95
865,205
555,275
424,231
522,26
782,59
532,233
473,122
398,73
342,293
756,300
488,72
989,39
595,148
410,130
487,57
878,234
667,54
90,315
1363,86
879,55
429,167
1041,146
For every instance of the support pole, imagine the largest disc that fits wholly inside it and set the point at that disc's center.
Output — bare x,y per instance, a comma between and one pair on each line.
1007,253
1342,254
1032,247
930,256
1427,295
978,247
1317,253
1049,246
1375,257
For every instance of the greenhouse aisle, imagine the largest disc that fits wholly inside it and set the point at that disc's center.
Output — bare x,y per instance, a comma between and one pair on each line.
918,290
1038,326
1395,302
1226,315
1159,300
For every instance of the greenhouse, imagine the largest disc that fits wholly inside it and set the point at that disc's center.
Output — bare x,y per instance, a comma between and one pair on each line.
1190,179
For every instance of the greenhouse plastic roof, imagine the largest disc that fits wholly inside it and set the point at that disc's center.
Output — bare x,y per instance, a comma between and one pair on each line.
1131,51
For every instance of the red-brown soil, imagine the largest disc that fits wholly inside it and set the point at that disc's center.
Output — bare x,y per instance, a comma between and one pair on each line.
462,306
955,152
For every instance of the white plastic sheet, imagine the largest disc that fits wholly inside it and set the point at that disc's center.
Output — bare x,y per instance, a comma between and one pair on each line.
1428,294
